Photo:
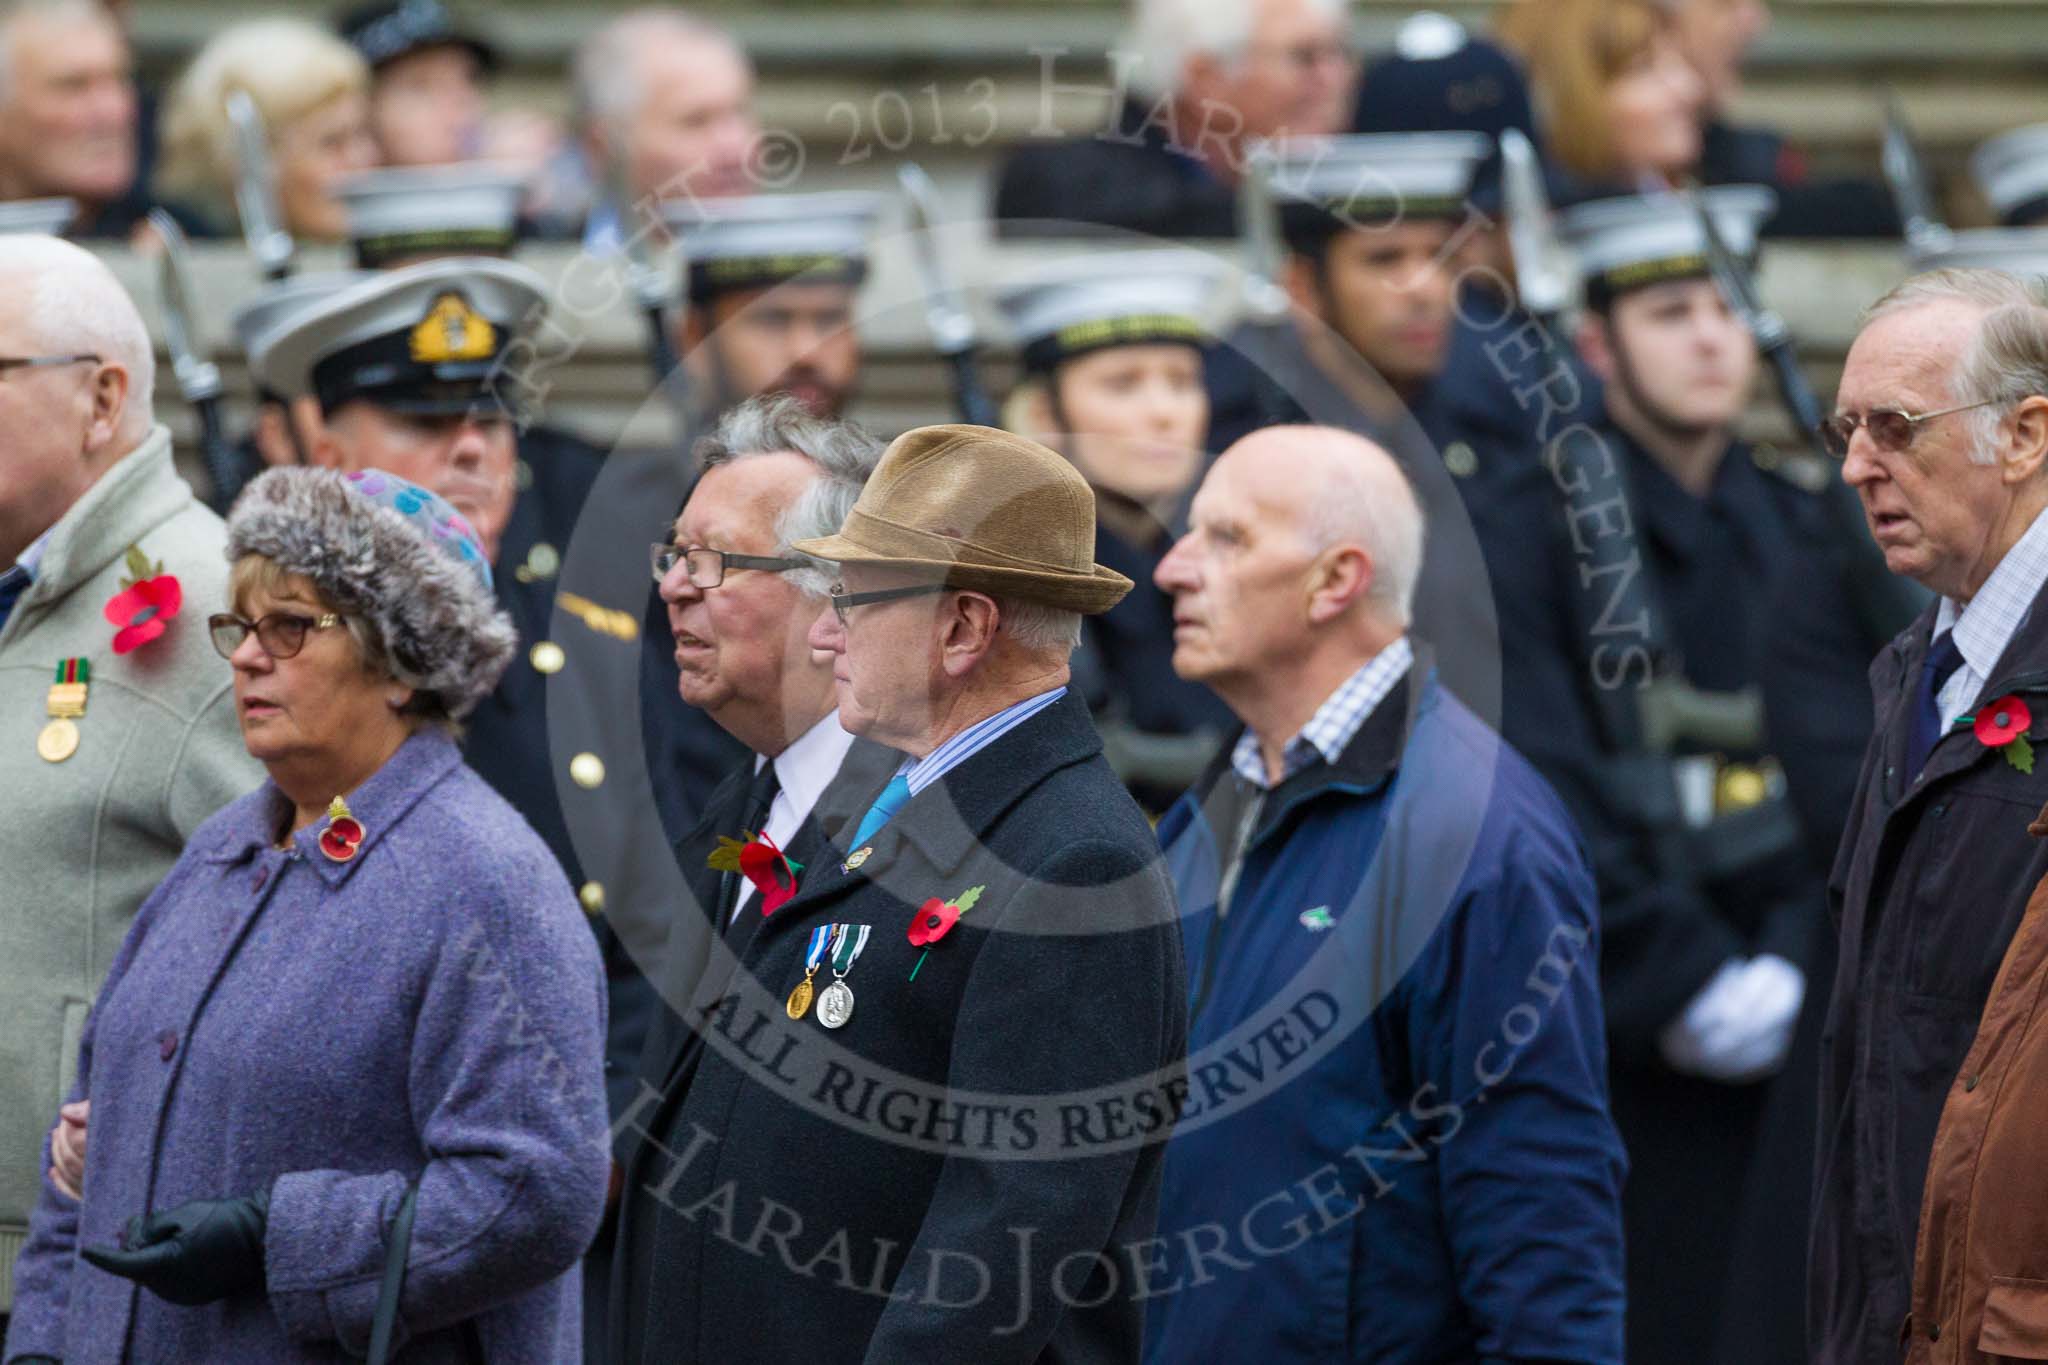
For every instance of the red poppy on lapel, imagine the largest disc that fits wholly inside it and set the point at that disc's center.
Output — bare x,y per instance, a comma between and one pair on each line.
148,599
2002,725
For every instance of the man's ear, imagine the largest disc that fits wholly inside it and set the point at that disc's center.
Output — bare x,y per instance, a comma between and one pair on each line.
1302,279
324,451
1595,341
967,631
1338,578
2023,440
109,398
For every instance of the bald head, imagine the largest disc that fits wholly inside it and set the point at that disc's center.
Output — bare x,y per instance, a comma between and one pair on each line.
1299,564
60,299
1337,488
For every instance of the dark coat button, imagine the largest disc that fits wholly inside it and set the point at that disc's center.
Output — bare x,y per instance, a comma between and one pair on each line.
166,1044
1969,1084
1934,1332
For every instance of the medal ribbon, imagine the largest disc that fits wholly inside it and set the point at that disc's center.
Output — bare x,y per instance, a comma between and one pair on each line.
815,952
848,946
74,670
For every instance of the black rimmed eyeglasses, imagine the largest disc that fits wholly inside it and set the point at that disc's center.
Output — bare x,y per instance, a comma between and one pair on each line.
706,567
40,362
282,633
843,602
1891,431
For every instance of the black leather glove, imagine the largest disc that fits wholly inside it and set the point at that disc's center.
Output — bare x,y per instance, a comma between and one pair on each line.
195,1253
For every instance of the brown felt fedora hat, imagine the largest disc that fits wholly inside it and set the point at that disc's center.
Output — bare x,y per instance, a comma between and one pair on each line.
983,509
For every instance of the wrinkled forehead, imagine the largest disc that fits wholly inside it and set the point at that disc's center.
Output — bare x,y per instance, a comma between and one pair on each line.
1909,357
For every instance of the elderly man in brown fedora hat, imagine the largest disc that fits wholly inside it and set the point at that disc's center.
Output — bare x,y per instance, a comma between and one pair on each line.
960,1167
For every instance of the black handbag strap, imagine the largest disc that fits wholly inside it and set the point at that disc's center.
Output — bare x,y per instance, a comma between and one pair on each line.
386,1317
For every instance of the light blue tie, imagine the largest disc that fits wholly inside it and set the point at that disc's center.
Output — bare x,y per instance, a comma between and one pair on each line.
887,804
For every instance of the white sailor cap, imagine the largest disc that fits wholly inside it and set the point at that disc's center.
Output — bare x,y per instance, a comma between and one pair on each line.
47,216
2015,250
408,213
1643,239
270,305
1127,298
763,240
424,339
2012,170
1369,179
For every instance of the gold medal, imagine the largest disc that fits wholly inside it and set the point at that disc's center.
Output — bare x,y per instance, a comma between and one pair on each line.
58,741
799,1003
856,858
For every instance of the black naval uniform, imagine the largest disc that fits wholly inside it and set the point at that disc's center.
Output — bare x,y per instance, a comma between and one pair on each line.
1124,669
1739,589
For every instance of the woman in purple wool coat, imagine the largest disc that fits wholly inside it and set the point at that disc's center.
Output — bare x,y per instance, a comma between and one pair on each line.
368,974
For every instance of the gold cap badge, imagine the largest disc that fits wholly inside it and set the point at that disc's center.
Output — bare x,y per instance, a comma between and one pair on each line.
452,330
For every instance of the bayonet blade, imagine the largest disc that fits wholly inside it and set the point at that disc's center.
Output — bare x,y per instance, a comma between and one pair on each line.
198,378
256,189
1266,302
952,326
1542,277
1912,190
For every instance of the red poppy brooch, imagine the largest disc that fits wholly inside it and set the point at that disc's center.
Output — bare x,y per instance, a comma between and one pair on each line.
935,919
756,858
2002,725
148,599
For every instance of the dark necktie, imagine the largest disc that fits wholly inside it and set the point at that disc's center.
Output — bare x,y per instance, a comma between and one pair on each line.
13,584
1943,659
753,817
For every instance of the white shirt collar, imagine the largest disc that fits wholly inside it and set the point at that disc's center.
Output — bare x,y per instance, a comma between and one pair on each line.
33,555
810,762
1986,626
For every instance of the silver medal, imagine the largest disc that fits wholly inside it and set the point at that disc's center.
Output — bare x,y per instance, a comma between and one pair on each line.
835,1004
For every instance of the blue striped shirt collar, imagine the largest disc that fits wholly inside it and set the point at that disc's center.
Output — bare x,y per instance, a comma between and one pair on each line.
922,772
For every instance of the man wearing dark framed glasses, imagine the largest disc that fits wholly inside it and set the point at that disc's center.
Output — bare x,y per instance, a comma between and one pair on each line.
1941,420
736,602
113,752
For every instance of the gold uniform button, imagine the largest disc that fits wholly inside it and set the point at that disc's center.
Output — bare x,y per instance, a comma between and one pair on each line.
543,561
587,771
546,657
592,896
522,476
1461,460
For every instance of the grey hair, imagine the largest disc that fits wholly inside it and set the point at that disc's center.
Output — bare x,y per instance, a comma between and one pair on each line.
1371,503
2006,359
74,11
1038,628
1164,33
72,304
605,74
844,453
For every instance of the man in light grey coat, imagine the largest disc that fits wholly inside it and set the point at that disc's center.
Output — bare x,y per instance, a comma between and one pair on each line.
103,777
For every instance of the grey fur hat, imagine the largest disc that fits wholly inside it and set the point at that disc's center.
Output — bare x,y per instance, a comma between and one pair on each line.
396,556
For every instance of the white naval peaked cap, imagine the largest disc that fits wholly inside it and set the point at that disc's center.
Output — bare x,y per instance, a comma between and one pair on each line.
1120,298
2012,171
278,300
46,216
2015,250
1376,176
1642,239
757,241
405,212
422,338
